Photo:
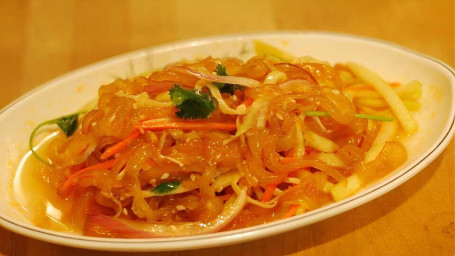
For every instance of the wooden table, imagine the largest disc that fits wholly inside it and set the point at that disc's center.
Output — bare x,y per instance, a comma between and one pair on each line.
43,39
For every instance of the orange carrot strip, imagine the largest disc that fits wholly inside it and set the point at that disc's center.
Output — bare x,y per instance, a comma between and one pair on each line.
395,84
153,125
65,188
248,102
368,87
120,145
268,192
291,212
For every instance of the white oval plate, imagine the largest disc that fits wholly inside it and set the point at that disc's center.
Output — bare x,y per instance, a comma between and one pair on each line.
69,92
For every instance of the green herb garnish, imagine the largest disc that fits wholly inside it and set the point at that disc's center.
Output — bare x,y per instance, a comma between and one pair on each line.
365,116
68,124
192,104
225,88
165,187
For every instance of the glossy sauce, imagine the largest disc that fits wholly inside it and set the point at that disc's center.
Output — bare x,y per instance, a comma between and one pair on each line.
37,194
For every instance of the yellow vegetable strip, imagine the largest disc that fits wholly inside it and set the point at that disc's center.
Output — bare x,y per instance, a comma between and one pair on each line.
319,142
299,149
346,187
262,48
398,108
240,110
410,91
387,133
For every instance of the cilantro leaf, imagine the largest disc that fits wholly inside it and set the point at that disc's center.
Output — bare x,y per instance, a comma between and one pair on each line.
225,88
220,70
165,187
192,104
68,124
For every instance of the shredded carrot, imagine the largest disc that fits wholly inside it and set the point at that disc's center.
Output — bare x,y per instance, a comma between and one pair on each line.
368,87
395,84
359,88
153,125
65,188
291,212
248,102
76,167
268,192
120,145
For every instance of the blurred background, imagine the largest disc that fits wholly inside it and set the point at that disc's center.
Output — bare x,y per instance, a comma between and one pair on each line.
41,40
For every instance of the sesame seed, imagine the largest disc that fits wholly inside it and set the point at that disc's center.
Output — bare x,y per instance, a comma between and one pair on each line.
165,176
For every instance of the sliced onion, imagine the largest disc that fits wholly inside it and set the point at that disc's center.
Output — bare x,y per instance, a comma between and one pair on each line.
244,81
100,225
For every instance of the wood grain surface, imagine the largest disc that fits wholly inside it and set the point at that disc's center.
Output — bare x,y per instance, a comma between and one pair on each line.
43,39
